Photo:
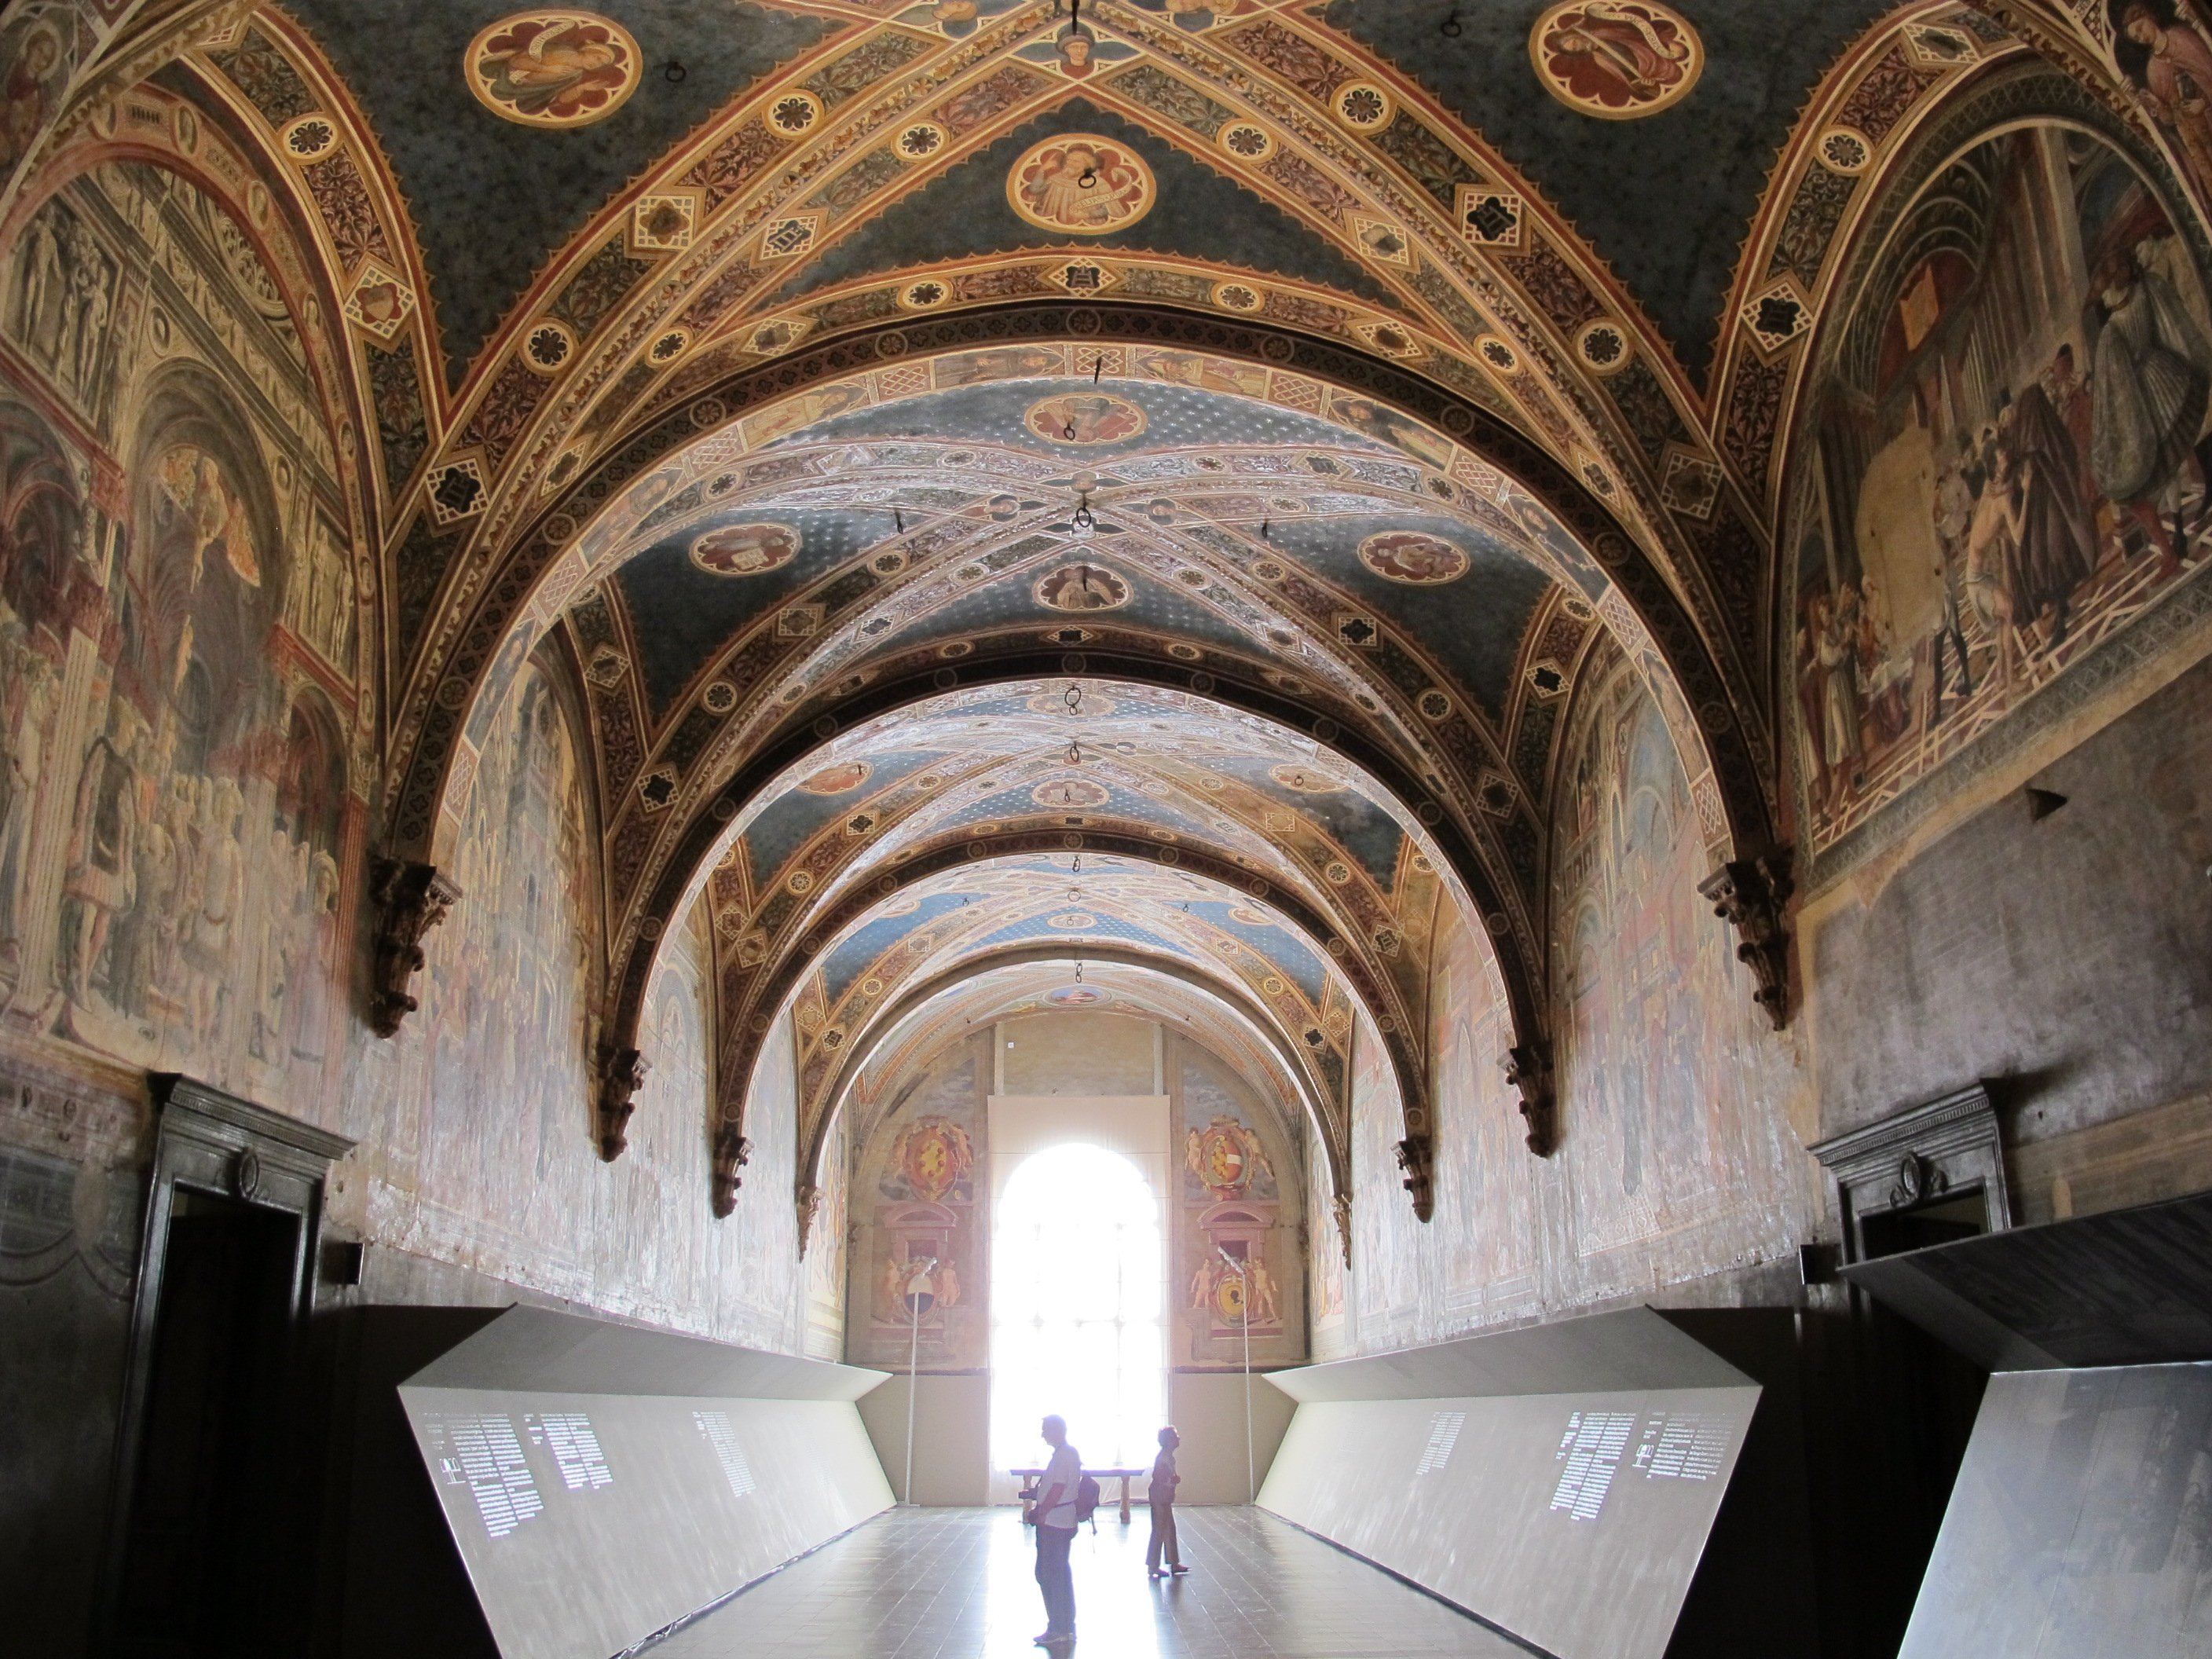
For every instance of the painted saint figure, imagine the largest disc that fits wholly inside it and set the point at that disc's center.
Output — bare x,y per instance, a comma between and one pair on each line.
2174,84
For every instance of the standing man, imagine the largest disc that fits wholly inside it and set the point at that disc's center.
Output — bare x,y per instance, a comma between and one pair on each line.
1055,1534
1160,1494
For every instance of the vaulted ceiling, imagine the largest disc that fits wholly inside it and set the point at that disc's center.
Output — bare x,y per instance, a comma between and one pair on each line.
1141,478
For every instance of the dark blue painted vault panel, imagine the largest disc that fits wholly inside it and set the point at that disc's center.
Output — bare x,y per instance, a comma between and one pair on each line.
1016,803
1278,944
682,616
1039,926
1365,831
858,950
1197,212
1668,198
789,821
491,200
1472,626
1175,417
1153,608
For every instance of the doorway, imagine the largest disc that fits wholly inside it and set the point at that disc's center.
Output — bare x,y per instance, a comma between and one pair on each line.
206,1524
210,1550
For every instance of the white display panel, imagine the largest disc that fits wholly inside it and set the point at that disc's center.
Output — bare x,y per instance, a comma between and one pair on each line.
586,1522
1574,1520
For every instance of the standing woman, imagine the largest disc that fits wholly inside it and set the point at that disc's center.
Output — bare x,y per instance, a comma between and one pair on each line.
1160,1494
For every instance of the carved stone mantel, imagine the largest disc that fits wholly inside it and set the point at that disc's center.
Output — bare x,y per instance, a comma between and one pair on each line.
1948,1145
411,900
1752,896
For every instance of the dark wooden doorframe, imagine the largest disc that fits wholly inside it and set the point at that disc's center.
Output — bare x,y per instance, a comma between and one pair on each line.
212,1142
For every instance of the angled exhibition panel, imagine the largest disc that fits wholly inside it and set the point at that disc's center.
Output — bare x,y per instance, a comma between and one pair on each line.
603,1482
1559,1482
2082,1519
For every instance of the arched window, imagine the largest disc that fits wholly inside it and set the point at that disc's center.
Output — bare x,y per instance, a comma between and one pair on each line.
1076,1302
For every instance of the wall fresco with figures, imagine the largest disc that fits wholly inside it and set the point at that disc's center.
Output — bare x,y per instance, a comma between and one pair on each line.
1676,1159
1235,1251
2012,459
178,621
920,1190
477,1119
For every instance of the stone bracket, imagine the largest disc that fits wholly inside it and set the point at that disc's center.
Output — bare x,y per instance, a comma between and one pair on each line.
731,1149
1751,896
1529,1068
410,899
621,1074
1417,1157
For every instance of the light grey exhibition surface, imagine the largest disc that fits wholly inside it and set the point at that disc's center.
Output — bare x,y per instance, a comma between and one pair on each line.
1559,1481
2081,1521
602,1482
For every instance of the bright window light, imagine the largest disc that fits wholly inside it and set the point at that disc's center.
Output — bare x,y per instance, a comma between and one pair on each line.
1076,1292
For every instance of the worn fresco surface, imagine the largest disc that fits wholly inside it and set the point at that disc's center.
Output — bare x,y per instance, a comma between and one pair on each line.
2011,462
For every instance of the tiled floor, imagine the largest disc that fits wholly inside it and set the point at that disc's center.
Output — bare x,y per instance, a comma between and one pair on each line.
957,1585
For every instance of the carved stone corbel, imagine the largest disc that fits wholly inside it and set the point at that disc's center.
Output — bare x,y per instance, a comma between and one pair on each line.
810,1207
1529,1068
1751,895
621,1074
731,1149
1417,1157
1342,1206
411,900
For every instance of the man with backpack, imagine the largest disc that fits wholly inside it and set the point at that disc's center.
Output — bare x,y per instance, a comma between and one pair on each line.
1057,1511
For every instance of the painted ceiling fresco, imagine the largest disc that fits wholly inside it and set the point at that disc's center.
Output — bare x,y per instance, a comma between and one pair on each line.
947,442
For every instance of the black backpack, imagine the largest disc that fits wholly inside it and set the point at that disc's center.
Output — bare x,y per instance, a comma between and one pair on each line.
1086,1498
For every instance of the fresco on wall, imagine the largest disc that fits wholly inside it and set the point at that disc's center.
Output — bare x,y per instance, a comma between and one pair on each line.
1240,1194
2012,461
916,1197
1325,1275
1667,1084
178,644
1487,1218
511,996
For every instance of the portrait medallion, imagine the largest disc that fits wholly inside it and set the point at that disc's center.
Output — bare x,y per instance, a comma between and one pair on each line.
1615,60
1081,587
1072,921
745,550
1070,794
1082,185
838,779
1084,417
1075,996
1413,557
552,69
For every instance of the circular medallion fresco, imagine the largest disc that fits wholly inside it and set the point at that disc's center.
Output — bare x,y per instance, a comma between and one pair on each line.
1067,794
1082,184
1074,996
838,779
1084,417
745,550
1072,921
1306,779
553,69
1251,917
1615,60
1413,557
1081,587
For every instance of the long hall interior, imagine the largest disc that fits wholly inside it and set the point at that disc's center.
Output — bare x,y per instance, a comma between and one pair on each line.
775,770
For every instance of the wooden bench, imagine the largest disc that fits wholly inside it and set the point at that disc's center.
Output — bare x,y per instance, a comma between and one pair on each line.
1125,1476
